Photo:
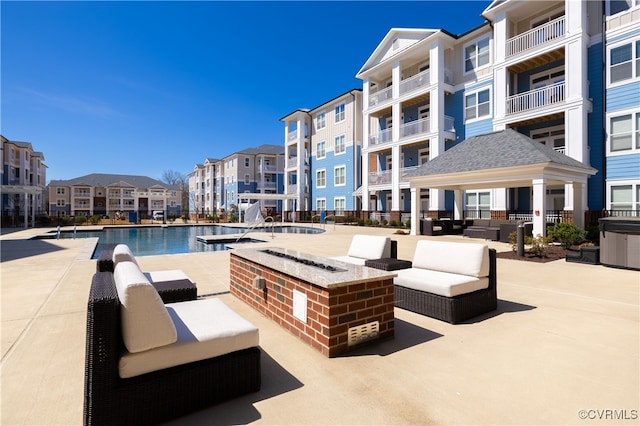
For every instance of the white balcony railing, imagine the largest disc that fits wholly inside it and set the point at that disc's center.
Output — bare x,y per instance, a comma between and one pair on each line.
406,170
414,82
381,137
380,96
292,135
536,37
537,98
267,185
268,168
410,129
382,177
415,127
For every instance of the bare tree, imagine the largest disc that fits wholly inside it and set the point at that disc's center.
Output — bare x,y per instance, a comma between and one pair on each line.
172,177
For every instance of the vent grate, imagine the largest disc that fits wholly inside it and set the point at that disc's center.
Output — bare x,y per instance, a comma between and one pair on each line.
363,333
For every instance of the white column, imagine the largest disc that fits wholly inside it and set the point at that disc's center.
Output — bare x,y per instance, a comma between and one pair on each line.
436,112
415,211
578,204
457,204
366,122
500,91
395,177
539,207
365,181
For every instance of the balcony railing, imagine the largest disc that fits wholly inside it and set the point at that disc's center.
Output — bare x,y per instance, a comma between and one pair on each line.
293,189
412,128
383,136
536,37
292,135
537,98
267,185
268,168
380,96
382,177
419,80
415,127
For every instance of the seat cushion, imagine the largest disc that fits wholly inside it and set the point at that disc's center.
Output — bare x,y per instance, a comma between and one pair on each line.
441,283
163,276
457,258
146,324
122,253
351,259
370,247
206,328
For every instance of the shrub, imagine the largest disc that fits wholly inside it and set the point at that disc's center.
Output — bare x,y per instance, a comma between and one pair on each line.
368,222
384,222
593,234
394,224
374,222
408,223
94,220
43,220
65,220
566,233
538,245
80,220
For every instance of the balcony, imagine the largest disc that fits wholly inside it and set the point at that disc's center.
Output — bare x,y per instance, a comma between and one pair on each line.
81,193
383,136
538,98
383,177
414,82
415,127
536,37
267,185
268,168
381,96
411,129
293,189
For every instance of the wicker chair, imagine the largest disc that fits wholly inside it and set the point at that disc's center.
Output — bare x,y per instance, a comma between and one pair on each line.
160,395
451,309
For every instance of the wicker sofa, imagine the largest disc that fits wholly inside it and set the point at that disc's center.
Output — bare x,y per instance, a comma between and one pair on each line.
495,230
367,247
448,281
135,375
434,227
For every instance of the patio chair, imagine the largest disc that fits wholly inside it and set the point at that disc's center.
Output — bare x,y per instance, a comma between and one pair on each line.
367,247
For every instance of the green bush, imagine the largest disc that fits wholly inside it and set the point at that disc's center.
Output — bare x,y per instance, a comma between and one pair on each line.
407,224
538,245
385,222
80,220
593,234
368,222
394,224
374,222
94,220
566,233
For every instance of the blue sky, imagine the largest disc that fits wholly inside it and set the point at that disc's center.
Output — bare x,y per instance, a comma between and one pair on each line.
145,87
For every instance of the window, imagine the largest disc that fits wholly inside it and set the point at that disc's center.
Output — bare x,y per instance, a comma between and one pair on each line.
339,176
624,132
321,178
60,203
246,179
246,161
339,113
477,104
320,121
339,147
625,197
479,202
321,205
60,191
624,62
617,6
339,205
476,55
321,150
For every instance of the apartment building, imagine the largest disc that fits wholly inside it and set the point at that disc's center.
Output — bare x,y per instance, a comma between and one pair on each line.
253,174
206,195
535,67
113,195
23,182
323,149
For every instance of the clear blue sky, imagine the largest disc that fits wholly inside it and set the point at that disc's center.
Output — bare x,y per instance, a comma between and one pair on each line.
145,87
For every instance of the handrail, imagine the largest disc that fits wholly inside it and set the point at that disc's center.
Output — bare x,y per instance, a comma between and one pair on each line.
334,221
273,224
313,217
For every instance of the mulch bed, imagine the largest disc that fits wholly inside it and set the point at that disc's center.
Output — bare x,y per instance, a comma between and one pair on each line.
553,253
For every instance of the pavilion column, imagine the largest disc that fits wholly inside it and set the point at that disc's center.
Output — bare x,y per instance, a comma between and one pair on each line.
578,204
539,207
415,211
457,204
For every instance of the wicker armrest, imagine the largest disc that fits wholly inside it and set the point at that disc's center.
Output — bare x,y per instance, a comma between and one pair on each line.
176,291
388,264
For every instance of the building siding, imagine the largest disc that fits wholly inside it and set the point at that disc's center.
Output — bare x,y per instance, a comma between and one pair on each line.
623,167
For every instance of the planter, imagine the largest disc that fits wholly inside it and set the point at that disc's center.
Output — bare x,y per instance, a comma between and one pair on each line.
589,255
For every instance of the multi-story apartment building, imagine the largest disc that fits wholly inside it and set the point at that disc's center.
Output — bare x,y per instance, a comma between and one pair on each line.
23,182
107,194
253,171
564,73
323,148
205,187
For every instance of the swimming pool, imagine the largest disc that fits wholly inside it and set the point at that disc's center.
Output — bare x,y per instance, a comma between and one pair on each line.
154,240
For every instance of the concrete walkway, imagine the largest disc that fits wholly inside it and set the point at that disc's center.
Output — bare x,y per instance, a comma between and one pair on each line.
565,338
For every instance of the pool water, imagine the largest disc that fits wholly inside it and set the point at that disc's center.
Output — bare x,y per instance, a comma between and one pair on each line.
147,241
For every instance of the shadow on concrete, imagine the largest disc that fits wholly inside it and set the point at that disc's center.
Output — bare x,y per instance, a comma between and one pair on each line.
406,335
19,249
275,381
504,307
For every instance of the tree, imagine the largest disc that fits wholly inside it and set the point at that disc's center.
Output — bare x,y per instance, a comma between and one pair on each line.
172,177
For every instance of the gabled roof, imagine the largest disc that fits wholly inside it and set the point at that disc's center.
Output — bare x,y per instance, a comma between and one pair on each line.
504,148
263,149
103,180
406,37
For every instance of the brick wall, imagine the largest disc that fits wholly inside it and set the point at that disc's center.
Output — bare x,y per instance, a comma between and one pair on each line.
330,312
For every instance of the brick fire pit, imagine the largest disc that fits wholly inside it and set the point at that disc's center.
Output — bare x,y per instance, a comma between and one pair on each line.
330,305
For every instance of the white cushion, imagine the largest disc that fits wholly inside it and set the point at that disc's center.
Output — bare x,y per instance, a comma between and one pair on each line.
350,259
171,275
436,282
457,258
122,253
370,247
206,328
146,324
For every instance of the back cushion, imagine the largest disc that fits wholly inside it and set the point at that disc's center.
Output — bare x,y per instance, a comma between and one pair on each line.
457,258
122,253
146,324
370,247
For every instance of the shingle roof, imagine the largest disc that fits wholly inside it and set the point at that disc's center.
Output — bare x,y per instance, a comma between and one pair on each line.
104,180
504,148
263,149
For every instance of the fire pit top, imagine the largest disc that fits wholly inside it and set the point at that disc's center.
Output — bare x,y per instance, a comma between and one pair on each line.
317,270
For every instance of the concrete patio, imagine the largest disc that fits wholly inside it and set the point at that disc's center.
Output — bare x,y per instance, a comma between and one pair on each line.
565,338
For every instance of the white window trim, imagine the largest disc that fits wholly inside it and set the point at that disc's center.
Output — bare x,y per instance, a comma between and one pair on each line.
324,200
341,166
626,182
335,199
634,73
325,178
344,112
324,120
344,150
476,91
325,150
475,42
634,142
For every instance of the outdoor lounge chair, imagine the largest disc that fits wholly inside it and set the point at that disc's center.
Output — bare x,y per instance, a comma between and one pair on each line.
367,247
147,362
